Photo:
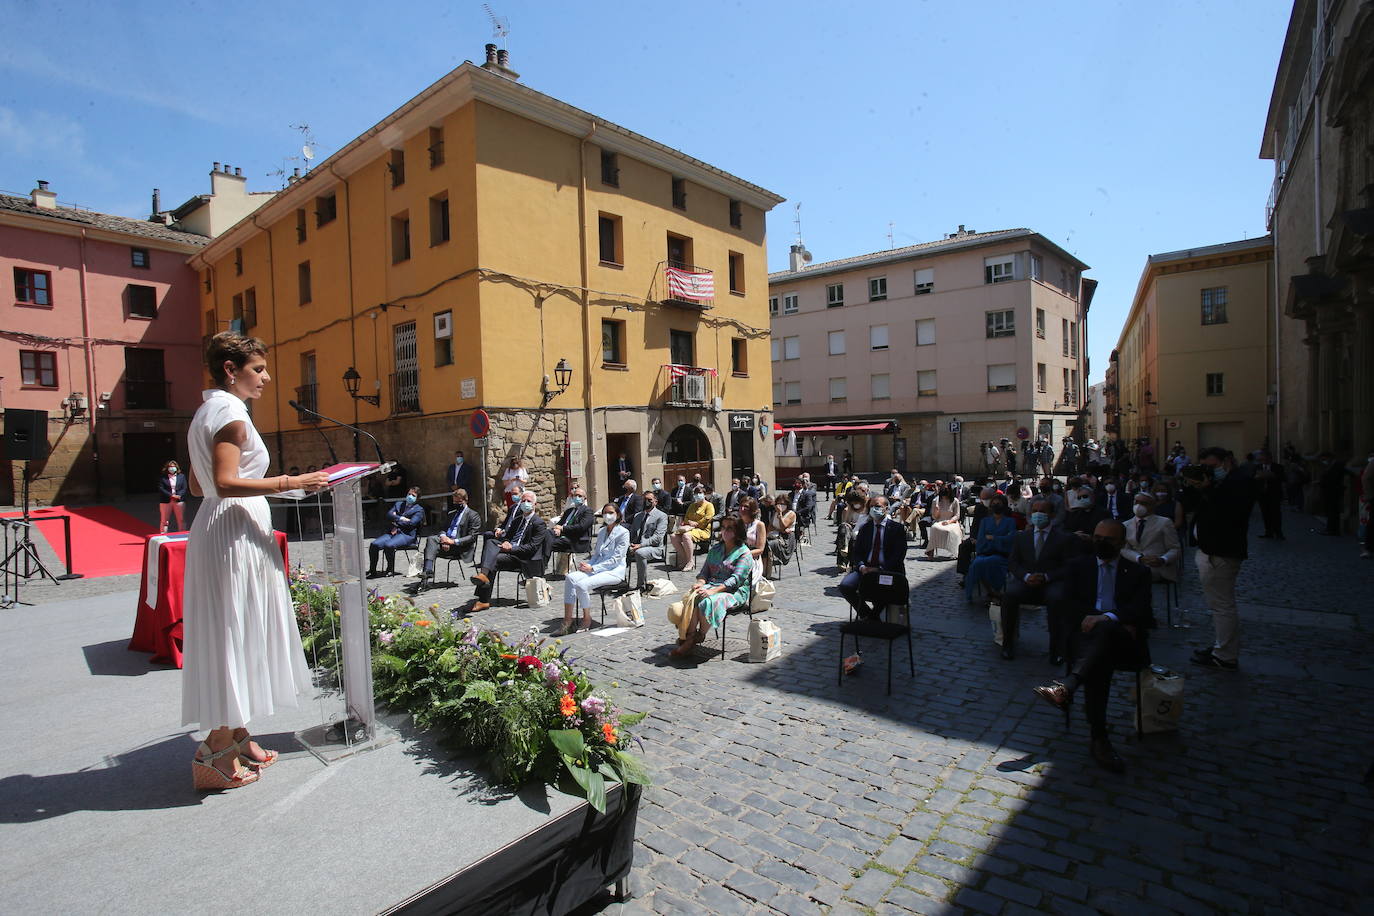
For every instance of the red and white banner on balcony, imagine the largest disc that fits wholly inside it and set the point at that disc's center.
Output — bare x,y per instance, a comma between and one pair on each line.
684,284
676,372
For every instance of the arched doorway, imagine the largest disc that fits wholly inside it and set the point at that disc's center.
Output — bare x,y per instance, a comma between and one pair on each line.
687,452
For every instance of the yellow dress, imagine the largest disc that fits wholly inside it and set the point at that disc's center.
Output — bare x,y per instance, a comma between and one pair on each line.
700,514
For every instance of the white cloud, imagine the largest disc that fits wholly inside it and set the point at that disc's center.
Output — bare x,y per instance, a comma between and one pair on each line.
41,135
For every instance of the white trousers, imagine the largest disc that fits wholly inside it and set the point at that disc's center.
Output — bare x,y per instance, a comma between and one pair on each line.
577,587
1218,578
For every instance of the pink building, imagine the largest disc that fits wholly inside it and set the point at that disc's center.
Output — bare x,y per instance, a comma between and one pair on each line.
102,332
984,328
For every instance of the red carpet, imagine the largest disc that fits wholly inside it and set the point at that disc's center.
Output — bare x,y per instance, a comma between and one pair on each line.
105,541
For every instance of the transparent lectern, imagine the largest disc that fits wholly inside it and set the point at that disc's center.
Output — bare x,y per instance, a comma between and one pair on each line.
348,723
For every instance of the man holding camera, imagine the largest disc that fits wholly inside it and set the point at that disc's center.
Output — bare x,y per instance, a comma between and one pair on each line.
1224,495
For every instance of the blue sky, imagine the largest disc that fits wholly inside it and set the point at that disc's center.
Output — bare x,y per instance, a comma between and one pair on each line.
1115,129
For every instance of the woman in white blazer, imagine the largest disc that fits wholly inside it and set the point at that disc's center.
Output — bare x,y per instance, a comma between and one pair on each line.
606,566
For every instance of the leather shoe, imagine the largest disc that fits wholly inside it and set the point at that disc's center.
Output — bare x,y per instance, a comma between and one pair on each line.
1009,652
1056,659
1107,757
479,579
479,606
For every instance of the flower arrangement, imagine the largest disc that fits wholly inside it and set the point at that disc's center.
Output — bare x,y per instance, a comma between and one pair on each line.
520,701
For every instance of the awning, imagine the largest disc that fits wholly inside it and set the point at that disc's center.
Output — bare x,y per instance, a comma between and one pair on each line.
886,426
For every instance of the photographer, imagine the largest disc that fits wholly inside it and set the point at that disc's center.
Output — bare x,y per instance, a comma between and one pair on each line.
1224,496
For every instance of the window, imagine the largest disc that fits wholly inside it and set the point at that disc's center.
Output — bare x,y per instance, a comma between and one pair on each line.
1064,333
1037,268
303,281
789,304
1040,377
145,379
1073,385
736,272
138,257
436,147
776,352
1068,392
791,348
679,251
610,169
680,193
250,307
1216,384
443,338
38,369
925,281
877,337
838,389
736,215
792,390
405,381
397,167
236,310
739,356
400,238
836,342
925,383
1002,377
772,305
881,386
142,301
777,393
1040,323
326,209
1073,340
34,287
925,332
999,269
612,342
834,296
308,395
300,226
1214,306
608,232
438,219
1002,323
877,289
682,348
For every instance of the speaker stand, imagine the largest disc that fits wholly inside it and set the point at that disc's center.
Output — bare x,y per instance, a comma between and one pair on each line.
24,550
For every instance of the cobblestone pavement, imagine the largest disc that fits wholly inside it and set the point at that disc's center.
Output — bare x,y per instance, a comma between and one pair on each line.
778,791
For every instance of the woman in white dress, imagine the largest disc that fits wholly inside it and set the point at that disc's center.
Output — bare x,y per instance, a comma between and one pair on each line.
606,566
243,656
946,529
755,536
513,479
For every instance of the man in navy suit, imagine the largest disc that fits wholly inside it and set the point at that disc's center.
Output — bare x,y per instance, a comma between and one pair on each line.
879,547
1034,574
458,476
1107,604
1112,503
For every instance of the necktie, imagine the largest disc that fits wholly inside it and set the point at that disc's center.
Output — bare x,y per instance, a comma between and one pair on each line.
519,530
1106,601
877,545
1139,531
1039,543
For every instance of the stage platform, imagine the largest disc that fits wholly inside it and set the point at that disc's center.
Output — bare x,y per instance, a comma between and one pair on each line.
99,815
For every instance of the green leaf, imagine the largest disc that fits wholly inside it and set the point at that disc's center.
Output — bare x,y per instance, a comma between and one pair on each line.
568,742
389,662
593,785
628,719
481,690
631,769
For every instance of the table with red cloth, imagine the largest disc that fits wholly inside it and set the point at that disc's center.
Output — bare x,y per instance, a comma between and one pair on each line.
158,627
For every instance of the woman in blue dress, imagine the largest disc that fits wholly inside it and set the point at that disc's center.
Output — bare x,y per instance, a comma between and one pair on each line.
722,586
994,537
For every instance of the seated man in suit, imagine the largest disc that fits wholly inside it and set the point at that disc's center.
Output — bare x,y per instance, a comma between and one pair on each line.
1107,602
405,517
520,540
648,531
1111,502
661,497
1152,540
1038,556
805,503
1081,514
456,541
629,502
574,526
879,547
733,497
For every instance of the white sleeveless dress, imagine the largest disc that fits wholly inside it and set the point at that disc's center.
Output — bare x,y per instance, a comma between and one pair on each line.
242,653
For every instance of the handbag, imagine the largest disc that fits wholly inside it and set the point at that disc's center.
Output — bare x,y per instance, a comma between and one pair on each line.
537,591
765,640
627,610
1161,700
661,588
413,566
762,598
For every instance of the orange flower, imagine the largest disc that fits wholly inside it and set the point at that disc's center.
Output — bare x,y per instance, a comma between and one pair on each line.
423,623
508,655
567,705
609,732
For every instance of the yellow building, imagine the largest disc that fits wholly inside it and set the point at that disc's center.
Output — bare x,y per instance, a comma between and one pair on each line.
481,237
1192,358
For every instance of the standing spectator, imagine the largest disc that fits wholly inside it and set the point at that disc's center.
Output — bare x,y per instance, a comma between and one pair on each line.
395,486
1296,478
514,476
406,517
1332,486
171,487
832,473
1046,459
648,534
623,469
1269,483
456,541
1225,497
458,475
879,547
1145,458
606,566
1009,456
848,465
1093,454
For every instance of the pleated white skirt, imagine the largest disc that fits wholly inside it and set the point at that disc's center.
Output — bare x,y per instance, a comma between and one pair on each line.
242,656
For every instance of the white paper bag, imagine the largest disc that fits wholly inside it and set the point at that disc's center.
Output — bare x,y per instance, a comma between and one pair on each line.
661,588
537,592
413,567
765,640
631,610
1161,704
995,618
762,599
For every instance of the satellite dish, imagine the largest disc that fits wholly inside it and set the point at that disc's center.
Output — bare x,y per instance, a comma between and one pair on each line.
308,152
806,256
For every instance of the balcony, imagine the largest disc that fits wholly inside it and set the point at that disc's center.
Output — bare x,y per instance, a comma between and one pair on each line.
684,286
405,391
146,394
307,396
686,386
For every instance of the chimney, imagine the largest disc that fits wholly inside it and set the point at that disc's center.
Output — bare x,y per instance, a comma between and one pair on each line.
502,58
42,198
238,172
795,258
491,55
157,206
215,167
498,62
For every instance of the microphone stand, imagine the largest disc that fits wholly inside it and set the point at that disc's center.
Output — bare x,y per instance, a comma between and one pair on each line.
333,458
314,413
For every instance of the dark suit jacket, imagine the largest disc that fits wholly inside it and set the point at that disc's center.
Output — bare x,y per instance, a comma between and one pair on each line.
893,547
629,509
532,539
468,526
1059,549
167,488
577,523
1132,595
457,476
1123,504
732,498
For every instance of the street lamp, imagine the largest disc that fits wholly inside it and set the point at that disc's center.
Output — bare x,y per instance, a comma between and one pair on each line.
562,375
352,380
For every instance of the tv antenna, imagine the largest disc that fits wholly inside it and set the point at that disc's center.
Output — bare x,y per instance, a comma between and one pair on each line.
308,147
796,220
890,227
500,25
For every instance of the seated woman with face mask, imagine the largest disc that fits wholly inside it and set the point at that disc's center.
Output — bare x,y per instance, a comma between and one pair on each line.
606,566
695,529
992,548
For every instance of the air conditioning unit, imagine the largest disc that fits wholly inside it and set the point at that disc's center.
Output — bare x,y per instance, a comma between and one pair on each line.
694,389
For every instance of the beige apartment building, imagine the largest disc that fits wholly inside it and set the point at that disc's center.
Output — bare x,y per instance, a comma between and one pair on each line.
1193,361
929,349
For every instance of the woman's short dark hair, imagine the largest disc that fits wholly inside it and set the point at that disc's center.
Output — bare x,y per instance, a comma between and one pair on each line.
614,508
234,347
169,464
736,525
751,504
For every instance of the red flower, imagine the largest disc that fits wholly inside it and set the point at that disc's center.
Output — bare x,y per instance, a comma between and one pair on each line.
528,663
571,687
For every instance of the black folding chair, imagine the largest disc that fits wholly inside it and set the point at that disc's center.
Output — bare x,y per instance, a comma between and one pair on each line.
894,592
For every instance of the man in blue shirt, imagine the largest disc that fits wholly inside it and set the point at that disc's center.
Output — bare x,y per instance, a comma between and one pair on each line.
458,539
406,517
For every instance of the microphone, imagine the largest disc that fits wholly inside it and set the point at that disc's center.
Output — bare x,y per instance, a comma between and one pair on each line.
315,413
333,458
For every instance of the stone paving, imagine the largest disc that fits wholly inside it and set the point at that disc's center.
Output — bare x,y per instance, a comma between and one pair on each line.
777,790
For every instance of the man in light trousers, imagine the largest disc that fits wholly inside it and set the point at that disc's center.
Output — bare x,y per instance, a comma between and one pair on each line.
1226,494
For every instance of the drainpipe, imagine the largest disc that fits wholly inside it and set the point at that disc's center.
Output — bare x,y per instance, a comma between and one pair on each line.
272,291
89,352
592,467
352,315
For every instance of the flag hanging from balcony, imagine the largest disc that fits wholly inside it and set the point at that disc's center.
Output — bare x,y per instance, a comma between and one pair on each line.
676,372
684,284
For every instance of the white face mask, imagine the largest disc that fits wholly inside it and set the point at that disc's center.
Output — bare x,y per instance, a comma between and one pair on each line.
608,517
1141,511
1111,488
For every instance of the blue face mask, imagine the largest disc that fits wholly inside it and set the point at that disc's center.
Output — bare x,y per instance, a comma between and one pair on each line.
1040,519
577,500
878,512
410,499
527,508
